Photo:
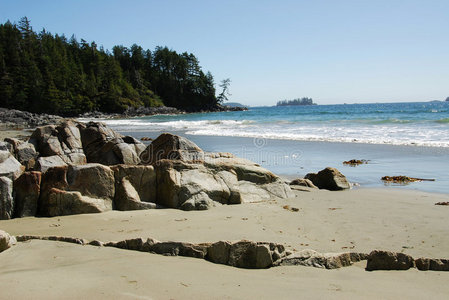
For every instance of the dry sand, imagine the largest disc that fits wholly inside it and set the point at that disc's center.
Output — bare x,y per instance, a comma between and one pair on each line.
357,220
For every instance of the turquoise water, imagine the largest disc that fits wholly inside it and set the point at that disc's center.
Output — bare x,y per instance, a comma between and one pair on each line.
409,139
422,124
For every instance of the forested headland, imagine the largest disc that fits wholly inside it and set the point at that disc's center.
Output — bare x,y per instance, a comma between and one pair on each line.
42,72
299,101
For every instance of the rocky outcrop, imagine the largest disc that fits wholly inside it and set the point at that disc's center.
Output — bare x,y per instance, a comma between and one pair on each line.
17,118
127,197
329,179
142,178
6,241
303,182
70,190
26,194
219,180
387,260
172,147
103,145
432,264
6,198
322,260
9,166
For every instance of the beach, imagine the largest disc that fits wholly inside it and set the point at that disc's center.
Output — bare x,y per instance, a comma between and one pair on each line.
356,220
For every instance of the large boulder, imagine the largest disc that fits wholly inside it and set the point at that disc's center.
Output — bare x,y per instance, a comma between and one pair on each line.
9,166
127,198
220,179
103,145
86,188
6,241
172,147
57,140
329,179
26,194
6,198
141,177
93,180
60,203
24,152
387,260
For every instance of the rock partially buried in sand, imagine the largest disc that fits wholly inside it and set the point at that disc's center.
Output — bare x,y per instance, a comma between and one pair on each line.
6,241
431,264
329,179
303,182
315,259
387,260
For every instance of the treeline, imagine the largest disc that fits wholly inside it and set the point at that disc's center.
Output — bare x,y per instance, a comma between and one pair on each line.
41,72
298,101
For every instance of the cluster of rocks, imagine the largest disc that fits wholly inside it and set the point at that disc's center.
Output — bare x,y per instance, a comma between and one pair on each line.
16,118
149,111
328,178
387,260
74,168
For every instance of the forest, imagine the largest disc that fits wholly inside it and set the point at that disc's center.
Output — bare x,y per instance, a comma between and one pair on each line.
42,72
299,101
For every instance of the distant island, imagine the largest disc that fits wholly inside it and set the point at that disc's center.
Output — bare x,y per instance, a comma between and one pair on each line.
298,101
447,99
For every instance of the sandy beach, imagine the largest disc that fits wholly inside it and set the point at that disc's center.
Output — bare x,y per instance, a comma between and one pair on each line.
357,220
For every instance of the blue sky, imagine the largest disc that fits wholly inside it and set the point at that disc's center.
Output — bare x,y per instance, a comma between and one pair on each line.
333,51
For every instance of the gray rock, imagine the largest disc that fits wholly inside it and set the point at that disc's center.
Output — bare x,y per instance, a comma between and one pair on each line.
9,166
127,198
142,178
103,145
6,198
303,182
26,194
329,179
93,180
322,260
60,203
221,179
387,260
173,147
45,163
6,241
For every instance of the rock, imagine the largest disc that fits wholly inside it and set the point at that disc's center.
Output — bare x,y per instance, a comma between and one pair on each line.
103,145
179,249
70,190
303,182
322,260
245,254
26,119
5,146
6,241
330,179
9,166
173,147
6,198
93,180
26,155
142,178
45,163
221,179
127,198
60,203
57,140
26,194
431,264
386,260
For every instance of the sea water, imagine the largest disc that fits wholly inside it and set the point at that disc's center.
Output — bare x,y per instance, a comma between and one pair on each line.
409,139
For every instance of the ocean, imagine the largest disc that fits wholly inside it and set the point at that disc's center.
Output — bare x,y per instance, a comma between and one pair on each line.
409,139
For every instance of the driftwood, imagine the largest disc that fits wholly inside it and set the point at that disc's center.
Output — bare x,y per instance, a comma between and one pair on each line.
403,179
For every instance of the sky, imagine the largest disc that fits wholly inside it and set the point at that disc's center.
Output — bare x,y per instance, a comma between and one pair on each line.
332,51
